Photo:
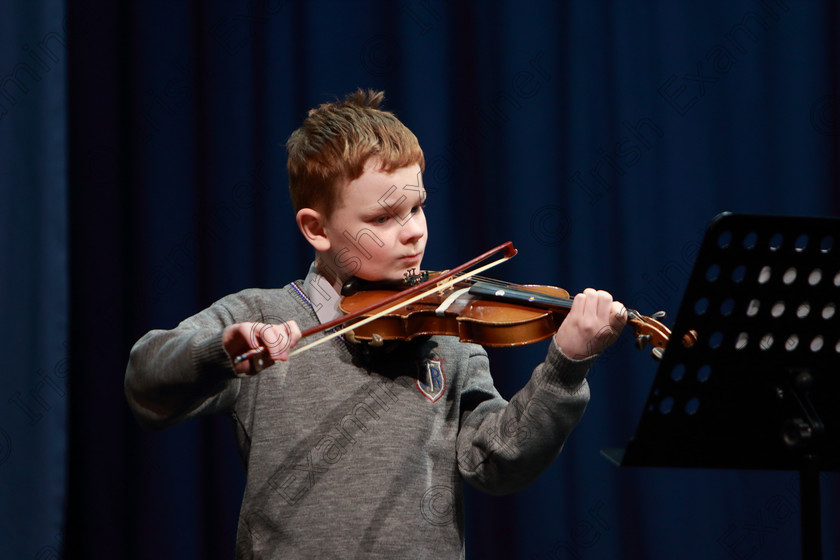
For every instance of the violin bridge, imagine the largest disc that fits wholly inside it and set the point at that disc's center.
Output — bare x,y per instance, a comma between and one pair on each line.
442,288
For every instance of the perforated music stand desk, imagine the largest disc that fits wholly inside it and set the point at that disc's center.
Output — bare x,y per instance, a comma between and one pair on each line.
760,388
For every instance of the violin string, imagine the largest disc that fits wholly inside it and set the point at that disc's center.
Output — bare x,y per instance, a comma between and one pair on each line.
502,284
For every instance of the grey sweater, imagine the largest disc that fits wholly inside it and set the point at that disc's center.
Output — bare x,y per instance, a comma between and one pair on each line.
351,453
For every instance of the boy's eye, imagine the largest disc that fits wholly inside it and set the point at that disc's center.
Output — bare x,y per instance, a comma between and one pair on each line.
385,217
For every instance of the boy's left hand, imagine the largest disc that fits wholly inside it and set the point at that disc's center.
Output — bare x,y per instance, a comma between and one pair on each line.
593,323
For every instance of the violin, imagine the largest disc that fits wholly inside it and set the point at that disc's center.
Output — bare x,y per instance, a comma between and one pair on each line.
473,308
481,310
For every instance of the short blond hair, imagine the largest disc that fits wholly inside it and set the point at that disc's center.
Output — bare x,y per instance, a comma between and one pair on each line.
336,141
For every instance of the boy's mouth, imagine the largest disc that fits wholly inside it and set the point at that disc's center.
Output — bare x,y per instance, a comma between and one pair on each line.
413,258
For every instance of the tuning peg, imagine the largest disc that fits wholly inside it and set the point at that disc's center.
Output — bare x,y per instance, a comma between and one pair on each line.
642,340
657,353
659,315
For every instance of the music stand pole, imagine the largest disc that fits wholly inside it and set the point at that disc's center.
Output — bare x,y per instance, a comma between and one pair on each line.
810,515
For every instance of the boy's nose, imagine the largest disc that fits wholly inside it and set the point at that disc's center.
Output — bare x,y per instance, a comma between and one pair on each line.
412,230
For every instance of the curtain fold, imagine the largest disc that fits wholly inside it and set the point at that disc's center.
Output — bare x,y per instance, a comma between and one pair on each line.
34,335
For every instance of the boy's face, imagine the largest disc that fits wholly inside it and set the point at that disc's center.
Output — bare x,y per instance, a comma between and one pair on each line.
378,229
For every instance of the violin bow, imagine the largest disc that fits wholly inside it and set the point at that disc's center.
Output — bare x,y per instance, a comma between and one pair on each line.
417,292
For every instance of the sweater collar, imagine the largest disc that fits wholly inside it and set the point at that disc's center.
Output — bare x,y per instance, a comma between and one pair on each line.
322,294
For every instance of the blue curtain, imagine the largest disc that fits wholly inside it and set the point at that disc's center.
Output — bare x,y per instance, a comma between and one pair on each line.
601,137
34,335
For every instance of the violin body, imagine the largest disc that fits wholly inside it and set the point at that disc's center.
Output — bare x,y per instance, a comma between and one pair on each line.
462,311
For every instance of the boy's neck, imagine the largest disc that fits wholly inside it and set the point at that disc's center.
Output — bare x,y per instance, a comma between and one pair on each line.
332,276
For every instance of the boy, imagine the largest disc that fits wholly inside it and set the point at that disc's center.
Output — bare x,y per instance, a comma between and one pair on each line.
358,451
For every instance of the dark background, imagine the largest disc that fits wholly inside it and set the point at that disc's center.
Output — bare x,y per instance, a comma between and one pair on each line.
143,177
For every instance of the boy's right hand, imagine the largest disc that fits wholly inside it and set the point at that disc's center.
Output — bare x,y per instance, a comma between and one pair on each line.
277,339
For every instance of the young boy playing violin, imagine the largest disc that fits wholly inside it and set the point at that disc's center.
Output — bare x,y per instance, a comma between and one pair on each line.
357,451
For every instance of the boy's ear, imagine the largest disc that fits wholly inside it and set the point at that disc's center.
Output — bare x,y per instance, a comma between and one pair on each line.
311,224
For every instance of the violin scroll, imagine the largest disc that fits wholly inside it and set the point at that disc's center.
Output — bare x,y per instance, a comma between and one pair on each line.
648,330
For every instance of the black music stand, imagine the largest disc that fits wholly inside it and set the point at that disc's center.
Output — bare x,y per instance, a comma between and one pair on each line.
759,389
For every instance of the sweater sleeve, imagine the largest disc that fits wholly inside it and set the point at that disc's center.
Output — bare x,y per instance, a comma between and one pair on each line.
175,374
503,447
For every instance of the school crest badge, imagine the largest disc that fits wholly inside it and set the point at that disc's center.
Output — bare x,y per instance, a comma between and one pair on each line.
431,380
